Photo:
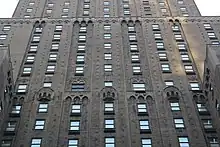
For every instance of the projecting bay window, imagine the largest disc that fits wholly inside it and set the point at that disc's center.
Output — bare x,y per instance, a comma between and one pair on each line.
138,87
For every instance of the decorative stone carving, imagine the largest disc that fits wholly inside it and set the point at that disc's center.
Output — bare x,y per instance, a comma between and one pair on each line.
45,94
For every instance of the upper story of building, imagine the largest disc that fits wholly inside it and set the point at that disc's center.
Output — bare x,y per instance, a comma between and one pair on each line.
105,8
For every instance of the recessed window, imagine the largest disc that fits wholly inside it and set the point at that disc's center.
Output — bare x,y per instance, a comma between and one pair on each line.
36,142
160,45
82,29
132,37
107,45
169,83
56,36
29,10
175,28
51,68
27,70
207,123
66,4
194,86
107,27
50,5
108,56
86,1
142,108
49,11
162,56
79,70
22,88
188,68
138,86
73,143
185,14
181,46
109,142
133,47
78,87
146,142
82,37
157,36
16,109
109,123
136,69
108,83
33,48
36,38
74,125
155,27
185,57
178,37
109,107
58,28
215,43
161,4
106,10
39,124
64,15
106,15
126,12
76,109
213,142
164,10
55,46
81,47
179,123
144,125
85,12
175,106
106,3
207,26
131,29
107,36
53,57
201,107
86,6
42,108
31,4
165,67
80,59
107,67
27,16
183,9
65,10
180,2
6,28
6,143
135,58
11,126
126,6
183,141
211,35
3,36
47,84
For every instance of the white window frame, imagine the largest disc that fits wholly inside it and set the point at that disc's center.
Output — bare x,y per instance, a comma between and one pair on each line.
80,58
33,48
160,45
185,57
162,56
11,125
29,10
81,48
65,10
82,29
30,59
201,107
56,36
82,37
144,124
142,108
188,68
16,109
58,28
135,58
207,26
211,35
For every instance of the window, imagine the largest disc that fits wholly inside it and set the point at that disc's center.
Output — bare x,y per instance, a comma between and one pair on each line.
213,141
22,88
65,10
106,15
106,3
29,10
82,29
132,37
133,47
58,28
185,14
30,59
6,28
107,27
82,37
66,4
165,67
179,123
183,141
38,30
157,36
109,107
146,2
181,46
161,4
215,43
107,67
107,45
138,86
178,37
6,143
175,28
33,48
180,2
201,107
16,109
86,6
108,83
207,123
36,142
207,26
136,69
39,124
73,143
3,36
76,109
31,3
131,29
109,142
185,57
85,12
146,142
108,56
126,6
164,10
169,83
64,15
144,125
109,123
107,36
52,57
126,12
211,35
79,70
51,68
74,125
135,58
106,10
80,59
194,86
78,87
27,16
50,5
160,45
155,27
183,9
81,48
142,108
55,46
56,36
49,11
27,70
175,106
11,126
47,84
188,68
36,38
42,108
162,56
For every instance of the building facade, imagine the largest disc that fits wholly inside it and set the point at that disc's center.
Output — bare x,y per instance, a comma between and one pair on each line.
109,74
